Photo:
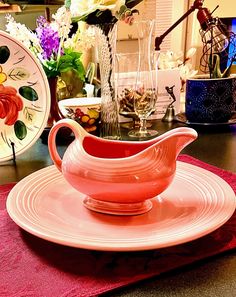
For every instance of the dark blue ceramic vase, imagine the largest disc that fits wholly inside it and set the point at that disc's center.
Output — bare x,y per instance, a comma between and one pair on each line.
210,100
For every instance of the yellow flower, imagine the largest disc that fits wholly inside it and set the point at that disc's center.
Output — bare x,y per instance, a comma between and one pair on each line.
3,76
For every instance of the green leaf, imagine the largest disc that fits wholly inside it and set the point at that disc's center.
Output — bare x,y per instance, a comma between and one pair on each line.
67,3
216,72
28,93
122,9
50,68
4,54
71,61
131,3
20,130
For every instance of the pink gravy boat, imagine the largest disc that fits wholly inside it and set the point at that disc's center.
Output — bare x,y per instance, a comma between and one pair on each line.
119,177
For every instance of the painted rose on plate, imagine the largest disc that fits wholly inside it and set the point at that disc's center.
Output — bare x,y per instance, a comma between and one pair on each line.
10,104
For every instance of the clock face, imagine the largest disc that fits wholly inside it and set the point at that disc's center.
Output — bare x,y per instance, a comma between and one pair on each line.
24,98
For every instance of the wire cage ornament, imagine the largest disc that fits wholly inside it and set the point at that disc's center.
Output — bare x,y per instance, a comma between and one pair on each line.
217,40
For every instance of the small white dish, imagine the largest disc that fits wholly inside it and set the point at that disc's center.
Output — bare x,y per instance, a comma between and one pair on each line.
84,110
82,102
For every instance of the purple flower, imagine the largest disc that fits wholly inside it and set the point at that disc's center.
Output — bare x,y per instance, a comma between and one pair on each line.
49,39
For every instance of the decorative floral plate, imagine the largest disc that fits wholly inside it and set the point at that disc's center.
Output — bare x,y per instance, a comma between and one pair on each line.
24,98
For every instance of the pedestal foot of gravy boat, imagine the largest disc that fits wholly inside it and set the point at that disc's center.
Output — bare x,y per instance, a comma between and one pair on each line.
115,208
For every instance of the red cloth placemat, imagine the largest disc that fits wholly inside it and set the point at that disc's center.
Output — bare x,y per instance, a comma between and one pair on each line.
30,266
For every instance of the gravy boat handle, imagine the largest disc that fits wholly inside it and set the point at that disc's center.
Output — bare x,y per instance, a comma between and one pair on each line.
78,131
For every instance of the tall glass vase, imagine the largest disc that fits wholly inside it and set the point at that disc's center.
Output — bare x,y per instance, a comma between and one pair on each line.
145,90
140,85
106,36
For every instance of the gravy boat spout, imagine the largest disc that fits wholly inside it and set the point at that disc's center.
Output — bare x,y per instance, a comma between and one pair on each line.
119,177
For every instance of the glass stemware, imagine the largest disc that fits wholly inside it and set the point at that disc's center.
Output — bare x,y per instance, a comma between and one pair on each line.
127,65
144,104
145,90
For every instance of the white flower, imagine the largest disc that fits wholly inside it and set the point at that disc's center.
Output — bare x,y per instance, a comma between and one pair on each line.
62,21
23,34
81,41
191,52
80,8
171,60
186,71
167,61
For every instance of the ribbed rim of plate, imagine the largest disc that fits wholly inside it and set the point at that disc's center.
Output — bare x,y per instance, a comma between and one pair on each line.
217,204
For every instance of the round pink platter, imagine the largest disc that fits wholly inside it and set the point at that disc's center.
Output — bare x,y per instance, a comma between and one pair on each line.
195,204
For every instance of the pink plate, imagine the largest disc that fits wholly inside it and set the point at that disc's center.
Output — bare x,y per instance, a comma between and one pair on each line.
195,204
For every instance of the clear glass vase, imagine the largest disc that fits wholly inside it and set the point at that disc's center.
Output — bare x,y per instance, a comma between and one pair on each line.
142,84
106,36
145,89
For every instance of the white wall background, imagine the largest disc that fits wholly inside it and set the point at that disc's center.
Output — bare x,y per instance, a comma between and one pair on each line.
166,12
